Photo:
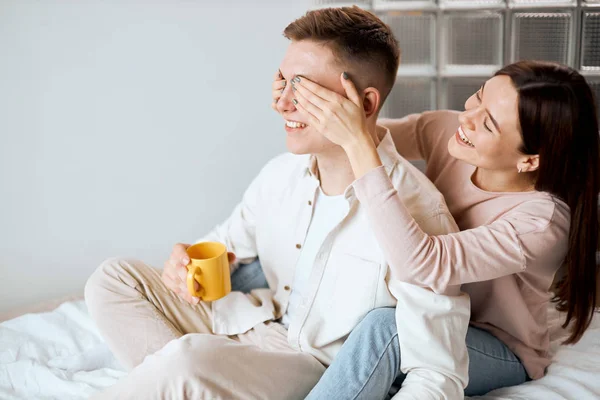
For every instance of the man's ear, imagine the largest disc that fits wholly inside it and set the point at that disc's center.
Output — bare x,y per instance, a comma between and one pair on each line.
529,163
371,101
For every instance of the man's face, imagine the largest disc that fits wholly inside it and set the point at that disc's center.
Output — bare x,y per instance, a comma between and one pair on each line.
315,62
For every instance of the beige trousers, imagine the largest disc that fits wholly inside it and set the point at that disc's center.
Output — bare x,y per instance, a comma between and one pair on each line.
172,353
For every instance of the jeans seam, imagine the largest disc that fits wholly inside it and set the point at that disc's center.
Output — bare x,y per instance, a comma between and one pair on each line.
492,356
375,367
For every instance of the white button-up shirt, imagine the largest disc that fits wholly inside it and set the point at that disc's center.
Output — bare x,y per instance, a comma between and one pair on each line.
349,277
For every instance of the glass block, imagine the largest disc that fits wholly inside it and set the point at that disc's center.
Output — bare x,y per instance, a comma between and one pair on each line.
595,85
403,4
409,96
473,38
533,3
471,3
341,3
590,42
541,36
459,90
415,33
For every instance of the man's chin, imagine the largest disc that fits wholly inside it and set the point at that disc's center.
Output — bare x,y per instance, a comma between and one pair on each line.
297,147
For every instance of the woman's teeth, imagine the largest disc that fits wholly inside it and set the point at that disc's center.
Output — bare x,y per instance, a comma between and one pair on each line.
464,137
293,124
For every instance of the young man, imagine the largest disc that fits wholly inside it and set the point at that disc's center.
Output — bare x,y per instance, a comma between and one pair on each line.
324,267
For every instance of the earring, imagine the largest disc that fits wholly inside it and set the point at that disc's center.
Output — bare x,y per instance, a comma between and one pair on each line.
519,171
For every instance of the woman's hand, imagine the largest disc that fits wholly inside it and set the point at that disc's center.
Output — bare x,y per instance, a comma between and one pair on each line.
278,87
341,120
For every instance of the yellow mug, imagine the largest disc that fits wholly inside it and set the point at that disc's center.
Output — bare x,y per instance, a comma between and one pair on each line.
209,266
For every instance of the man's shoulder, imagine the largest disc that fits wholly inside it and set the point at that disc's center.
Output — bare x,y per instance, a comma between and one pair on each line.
418,193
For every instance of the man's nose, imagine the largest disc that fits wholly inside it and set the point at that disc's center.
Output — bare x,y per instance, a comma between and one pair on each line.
285,104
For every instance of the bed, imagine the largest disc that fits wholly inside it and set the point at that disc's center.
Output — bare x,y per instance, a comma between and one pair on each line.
59,354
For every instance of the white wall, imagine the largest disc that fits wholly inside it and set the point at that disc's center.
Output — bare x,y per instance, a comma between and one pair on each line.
125,127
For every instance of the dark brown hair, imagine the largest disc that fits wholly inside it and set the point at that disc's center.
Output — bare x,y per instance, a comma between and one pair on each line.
557,114
359,40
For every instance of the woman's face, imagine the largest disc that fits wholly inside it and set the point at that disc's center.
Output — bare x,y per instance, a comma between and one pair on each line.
489,134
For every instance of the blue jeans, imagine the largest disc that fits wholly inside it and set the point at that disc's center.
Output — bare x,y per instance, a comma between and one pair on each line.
368,364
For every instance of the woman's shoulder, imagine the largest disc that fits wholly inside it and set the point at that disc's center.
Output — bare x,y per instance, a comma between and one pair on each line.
438,123
539,212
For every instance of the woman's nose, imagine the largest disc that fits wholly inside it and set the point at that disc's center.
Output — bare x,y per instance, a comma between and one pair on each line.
465,119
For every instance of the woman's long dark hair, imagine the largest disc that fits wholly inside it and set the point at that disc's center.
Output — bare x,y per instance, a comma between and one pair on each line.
557,113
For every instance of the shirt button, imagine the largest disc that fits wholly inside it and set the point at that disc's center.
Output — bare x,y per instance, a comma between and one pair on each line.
310,203
298,246
286,287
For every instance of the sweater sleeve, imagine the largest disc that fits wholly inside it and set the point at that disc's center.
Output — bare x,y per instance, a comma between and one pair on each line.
438,261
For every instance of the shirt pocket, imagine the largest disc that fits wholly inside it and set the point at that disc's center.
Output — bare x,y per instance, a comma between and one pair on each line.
352,282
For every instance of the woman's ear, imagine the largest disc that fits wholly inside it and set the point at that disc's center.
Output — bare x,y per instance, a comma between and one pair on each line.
529,163
371,101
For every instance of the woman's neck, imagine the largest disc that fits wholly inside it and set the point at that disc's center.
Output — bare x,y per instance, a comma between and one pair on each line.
503,181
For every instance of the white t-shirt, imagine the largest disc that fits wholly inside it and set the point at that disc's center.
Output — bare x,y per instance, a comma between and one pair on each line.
328,211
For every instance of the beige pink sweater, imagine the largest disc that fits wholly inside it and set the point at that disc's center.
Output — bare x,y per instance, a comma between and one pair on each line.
509,248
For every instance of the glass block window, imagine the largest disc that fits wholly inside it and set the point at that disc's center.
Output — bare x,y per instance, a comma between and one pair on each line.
458,90
450,47
459,47
595,84
541,36
416,34
340,3
533,3
471,3
409,96
590,47
404,4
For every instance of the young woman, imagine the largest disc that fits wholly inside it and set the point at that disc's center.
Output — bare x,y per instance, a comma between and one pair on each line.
519,169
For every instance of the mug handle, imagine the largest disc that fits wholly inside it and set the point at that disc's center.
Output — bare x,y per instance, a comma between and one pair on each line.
191,277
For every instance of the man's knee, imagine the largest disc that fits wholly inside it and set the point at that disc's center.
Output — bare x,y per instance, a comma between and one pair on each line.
100,286
193,355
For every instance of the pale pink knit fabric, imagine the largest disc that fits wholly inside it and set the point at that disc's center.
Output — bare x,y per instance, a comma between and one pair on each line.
509,248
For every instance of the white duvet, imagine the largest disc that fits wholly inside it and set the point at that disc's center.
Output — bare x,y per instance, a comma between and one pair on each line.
60,355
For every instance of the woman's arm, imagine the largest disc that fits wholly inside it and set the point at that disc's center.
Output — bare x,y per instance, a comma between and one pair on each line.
405,134
438,261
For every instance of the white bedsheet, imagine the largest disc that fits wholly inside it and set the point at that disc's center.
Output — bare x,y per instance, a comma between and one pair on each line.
60,355
54,355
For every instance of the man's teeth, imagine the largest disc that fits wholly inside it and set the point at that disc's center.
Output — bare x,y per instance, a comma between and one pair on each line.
464,137
294,124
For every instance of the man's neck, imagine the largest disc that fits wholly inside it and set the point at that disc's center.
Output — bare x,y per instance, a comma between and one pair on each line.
335,171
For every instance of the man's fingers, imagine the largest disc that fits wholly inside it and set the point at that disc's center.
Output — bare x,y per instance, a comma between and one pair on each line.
170,282
181,273
231,257
179,254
